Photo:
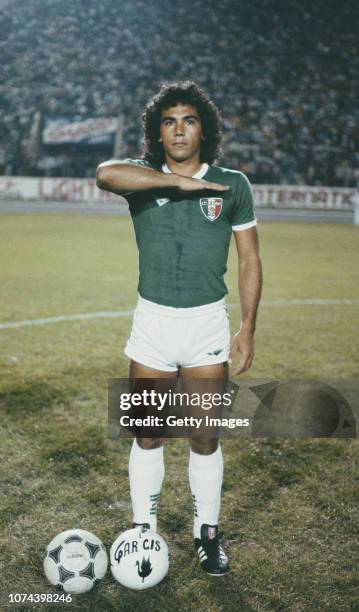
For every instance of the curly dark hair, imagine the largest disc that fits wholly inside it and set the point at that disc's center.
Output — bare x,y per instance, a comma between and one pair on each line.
171,94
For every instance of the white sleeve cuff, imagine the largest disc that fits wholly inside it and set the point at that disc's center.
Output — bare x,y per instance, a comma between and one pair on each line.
244,226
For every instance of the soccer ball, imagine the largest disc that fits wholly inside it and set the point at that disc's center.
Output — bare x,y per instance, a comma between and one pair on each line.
139,558
74,560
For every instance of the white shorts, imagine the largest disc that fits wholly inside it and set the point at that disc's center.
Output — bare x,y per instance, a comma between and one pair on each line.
166,338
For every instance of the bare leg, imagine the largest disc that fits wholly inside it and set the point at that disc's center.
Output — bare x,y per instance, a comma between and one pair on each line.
189,376
137,370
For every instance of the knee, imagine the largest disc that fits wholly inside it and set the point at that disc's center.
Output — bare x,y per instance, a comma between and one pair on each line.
204,447
149,443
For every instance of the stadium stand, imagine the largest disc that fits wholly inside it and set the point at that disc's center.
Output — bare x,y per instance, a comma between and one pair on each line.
283,74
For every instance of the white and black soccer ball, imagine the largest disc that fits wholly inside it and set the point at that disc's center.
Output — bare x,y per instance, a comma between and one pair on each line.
139,558
74,560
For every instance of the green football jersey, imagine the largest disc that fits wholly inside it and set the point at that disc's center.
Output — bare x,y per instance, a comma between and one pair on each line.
183,239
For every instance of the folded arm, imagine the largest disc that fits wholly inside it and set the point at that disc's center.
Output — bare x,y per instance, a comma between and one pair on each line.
123,178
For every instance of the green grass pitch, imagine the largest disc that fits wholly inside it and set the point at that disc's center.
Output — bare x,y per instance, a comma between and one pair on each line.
288,506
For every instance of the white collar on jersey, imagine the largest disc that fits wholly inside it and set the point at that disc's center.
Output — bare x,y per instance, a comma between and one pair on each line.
200,174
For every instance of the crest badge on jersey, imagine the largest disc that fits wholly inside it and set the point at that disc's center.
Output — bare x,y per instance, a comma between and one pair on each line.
211,207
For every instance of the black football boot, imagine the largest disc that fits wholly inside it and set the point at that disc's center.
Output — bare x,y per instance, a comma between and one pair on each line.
212,557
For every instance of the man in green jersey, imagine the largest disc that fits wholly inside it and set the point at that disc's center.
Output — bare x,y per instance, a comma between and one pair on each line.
184,210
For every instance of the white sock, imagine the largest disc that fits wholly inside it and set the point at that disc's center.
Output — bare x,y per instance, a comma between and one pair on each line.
205,478
146,471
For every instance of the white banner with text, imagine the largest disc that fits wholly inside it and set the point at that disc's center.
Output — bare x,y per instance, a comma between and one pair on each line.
85,190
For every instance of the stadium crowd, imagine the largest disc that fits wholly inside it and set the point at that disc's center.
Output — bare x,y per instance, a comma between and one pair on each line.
283,74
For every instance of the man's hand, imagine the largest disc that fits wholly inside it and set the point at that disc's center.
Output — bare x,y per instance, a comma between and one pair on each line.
243,343
186,183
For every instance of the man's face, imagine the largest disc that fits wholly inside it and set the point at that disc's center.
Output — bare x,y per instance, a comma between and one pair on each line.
181,132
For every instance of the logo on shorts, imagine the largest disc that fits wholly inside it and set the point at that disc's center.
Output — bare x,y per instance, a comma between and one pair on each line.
211,207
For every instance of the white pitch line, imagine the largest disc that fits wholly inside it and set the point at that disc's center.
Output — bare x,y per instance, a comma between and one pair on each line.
116,314
107,314
310,302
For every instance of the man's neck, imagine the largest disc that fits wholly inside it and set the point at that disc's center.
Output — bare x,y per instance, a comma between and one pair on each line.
189,167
